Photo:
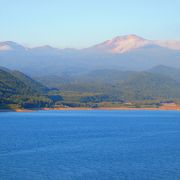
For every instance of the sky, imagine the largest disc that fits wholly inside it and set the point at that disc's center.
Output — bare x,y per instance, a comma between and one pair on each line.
82,23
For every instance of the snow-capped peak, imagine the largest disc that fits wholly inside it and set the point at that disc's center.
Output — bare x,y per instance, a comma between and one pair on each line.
122,44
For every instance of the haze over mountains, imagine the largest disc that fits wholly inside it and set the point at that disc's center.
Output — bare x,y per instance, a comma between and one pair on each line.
129,52
124,69
159,84
119,44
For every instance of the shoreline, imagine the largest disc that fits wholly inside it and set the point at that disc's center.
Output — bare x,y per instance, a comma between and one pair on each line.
115,108
161,108
17,110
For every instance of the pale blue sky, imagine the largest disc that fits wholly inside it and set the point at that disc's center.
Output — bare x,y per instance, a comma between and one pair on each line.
82,23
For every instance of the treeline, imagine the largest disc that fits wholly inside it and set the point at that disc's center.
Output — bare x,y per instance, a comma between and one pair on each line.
19,90
96,89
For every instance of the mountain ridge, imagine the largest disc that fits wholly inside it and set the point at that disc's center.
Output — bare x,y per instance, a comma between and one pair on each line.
118,44
123,52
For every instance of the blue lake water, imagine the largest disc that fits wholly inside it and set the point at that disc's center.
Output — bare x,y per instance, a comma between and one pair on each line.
90,145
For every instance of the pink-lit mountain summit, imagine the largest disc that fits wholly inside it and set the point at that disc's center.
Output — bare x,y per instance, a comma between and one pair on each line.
122,44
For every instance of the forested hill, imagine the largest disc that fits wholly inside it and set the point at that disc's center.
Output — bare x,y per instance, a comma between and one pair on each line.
154,84
89,89
10,85
38,87
20,90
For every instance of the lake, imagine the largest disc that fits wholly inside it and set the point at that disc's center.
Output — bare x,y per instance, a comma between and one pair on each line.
90,145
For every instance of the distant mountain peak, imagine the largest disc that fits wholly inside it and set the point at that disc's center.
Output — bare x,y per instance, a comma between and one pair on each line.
116,45
10,46
122,44
131,37
44,47
127,43
169,44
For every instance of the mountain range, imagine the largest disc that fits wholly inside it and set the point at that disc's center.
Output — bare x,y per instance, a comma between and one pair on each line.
119,44
123,69
160,82
90,89
129,52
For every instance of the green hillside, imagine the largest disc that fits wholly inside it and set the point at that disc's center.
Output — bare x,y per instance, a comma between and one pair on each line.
146,86
114,85
127,85
10,85
171,72
89,89
30,82
17,89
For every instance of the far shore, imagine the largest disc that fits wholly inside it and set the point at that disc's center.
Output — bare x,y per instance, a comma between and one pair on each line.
177,108
165,107
17,110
